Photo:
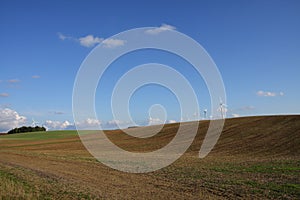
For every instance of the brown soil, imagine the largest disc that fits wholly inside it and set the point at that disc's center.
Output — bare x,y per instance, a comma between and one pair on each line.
255,158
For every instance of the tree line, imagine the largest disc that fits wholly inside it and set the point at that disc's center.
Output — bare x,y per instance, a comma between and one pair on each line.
25,129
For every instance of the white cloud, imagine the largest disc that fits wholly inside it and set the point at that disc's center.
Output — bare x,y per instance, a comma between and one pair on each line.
90,121
35,76
114,122
94,124
61,36
112,43
88,124
162,28
66,125
13,81
57,125
10,119
171,121
89,41
64,37
235,115
154,121
268,94
4,94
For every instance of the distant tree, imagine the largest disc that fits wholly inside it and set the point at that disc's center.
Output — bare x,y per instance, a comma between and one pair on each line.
25,129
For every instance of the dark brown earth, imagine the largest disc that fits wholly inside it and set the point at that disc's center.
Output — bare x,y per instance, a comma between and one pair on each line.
255,158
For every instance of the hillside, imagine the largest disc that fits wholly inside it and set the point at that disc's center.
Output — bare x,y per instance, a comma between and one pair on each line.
255,157
265,135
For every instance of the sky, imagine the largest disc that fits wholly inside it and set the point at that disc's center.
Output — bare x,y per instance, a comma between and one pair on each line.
254,44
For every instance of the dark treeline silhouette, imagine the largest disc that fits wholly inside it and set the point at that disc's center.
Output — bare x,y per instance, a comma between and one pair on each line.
25,129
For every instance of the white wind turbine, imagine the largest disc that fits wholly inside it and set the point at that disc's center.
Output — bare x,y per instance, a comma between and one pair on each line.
223,109
204,113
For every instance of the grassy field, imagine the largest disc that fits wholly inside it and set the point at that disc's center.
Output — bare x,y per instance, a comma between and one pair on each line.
255,158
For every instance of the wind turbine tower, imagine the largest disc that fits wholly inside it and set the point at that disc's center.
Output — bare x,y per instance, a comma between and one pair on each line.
204,113
222,109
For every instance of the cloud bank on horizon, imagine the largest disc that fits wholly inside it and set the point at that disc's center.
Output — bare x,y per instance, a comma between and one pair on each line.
10,119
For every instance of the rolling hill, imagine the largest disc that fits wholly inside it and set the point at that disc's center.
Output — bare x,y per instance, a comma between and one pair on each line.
255,158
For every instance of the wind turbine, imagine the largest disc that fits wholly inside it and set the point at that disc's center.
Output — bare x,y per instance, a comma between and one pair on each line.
204,113
222,109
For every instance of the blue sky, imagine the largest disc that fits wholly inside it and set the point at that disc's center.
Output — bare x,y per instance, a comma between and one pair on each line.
255,45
